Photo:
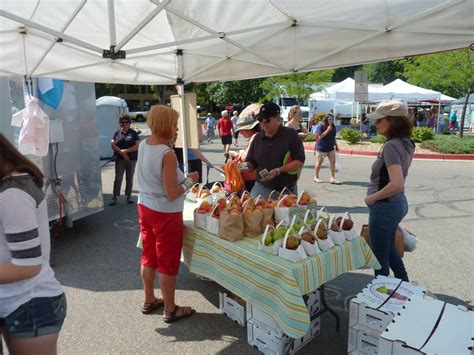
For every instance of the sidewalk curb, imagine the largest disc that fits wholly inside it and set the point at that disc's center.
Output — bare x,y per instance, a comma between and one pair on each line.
309,147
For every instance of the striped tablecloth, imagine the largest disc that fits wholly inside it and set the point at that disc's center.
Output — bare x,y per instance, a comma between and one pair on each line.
274,284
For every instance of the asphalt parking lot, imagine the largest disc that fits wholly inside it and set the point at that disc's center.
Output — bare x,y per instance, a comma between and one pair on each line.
98,264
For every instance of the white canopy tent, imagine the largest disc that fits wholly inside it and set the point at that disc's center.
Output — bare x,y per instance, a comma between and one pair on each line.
399,89
178,41
168,42
344,91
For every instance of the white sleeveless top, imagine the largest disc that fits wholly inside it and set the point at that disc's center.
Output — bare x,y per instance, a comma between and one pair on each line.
150,168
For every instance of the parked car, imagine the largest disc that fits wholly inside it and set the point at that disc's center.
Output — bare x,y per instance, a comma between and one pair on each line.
138,116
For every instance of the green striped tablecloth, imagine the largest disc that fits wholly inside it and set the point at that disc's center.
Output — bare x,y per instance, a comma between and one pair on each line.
274,284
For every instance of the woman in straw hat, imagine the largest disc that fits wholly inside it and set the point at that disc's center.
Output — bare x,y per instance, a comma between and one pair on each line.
386,192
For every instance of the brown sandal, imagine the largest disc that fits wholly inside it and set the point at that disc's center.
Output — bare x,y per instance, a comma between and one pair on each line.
170,317
147,308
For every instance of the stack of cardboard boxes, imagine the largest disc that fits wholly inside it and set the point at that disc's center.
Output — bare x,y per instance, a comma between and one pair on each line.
264,333
429,326
374,308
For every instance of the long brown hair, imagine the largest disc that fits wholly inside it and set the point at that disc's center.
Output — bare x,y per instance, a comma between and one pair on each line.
400,127
11,160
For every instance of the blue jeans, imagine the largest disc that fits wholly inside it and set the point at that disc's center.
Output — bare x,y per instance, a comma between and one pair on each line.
37,317
259,189
384,217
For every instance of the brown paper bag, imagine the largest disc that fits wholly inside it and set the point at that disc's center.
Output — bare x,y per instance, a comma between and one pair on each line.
268,212
252,218
231,227
399,243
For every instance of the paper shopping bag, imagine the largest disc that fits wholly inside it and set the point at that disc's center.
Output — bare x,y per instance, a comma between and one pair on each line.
321,234
231,226
269,242
268,212
348,233
252,216
213,220
309,242
335,232
287,252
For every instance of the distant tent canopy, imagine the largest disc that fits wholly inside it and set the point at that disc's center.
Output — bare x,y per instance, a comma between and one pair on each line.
397,89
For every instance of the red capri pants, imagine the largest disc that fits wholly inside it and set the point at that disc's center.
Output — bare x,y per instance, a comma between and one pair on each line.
162,239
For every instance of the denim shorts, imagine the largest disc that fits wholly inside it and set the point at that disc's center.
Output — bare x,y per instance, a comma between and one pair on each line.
37,317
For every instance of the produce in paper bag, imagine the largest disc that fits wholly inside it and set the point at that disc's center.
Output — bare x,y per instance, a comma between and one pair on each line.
253,216
347,225
269,243
267,209
231,226
201,213
217,191
321,234
213,219
335,232
291,249
309,219
204,195
193,193
309,242
324,214
286,208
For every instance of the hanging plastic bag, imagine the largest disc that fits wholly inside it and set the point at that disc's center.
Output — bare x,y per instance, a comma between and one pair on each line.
338,162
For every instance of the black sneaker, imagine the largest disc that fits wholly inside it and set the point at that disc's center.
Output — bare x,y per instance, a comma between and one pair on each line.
113,201
129,199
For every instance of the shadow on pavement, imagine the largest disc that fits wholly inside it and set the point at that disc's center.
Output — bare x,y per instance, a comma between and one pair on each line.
455,301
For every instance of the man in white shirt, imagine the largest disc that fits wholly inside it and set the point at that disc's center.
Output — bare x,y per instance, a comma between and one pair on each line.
234,119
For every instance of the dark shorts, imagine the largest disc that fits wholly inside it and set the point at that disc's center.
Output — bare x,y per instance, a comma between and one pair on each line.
226,139
37,317
236,134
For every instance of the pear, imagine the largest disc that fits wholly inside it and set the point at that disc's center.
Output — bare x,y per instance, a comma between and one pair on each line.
322,233
268,240
292,242
308,237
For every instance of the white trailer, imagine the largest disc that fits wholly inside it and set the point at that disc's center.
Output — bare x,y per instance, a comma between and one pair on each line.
73,184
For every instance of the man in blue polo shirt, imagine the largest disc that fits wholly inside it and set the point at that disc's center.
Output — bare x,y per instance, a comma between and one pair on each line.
277,154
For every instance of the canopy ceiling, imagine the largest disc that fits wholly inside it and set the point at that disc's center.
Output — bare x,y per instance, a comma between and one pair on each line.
164,42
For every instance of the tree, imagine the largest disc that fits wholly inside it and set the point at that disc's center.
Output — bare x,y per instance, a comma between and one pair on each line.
385,72
222,93
298,85
343,73
449,72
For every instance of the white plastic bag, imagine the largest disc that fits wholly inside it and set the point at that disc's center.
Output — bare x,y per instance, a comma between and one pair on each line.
338,162
410,240
337,237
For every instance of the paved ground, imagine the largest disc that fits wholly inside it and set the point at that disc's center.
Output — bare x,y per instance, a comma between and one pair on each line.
98,264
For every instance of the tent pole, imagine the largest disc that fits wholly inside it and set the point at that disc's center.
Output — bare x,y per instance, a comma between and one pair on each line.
182,125
183,118
437,116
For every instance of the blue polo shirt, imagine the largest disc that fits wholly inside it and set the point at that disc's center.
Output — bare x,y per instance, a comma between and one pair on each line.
125,141
327,143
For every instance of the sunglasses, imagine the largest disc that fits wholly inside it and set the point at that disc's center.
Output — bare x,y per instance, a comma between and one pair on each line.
263,120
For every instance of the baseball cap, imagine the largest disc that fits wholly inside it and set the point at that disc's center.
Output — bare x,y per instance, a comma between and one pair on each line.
389,108
268,110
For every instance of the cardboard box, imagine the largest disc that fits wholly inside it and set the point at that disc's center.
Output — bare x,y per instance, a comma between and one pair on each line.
233,307
361,342
429,326
255,314
265,340
399,242
374,307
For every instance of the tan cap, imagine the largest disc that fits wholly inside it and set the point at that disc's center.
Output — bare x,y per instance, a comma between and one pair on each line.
389,108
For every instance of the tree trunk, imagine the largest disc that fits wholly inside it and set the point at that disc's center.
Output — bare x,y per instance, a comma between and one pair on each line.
463,115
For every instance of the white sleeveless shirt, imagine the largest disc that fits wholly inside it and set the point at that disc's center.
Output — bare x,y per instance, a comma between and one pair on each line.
150,169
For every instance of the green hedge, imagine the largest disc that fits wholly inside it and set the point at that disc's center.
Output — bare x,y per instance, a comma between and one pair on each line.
450,144
378,139
421,134
351,135
311,137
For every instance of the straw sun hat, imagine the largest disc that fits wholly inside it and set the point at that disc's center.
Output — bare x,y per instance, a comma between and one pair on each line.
246,122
